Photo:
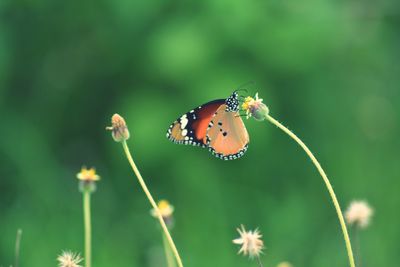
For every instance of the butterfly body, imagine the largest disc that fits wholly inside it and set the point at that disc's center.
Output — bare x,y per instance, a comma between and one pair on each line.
215,125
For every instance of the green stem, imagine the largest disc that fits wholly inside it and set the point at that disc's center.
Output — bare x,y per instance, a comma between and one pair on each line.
167,250
88,228
153,204
357,251
17,247
327,183
259,261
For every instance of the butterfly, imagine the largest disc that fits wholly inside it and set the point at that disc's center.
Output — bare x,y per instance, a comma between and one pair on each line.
216,125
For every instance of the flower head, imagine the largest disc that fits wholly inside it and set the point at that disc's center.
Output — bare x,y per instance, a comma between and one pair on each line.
88,175
87,179
69,259
359,213
166,210
251,242
164,207
255,108
119,128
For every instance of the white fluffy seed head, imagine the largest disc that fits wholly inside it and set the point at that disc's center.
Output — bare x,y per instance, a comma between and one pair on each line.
69,259
250,241
359,214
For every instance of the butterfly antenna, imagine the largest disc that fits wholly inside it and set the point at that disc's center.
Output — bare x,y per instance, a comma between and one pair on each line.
240,88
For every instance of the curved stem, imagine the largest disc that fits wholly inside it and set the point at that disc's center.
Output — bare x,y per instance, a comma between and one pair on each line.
88,228
327,183
153,203
167,250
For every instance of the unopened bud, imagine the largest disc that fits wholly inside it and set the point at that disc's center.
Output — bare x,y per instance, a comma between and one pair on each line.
119,129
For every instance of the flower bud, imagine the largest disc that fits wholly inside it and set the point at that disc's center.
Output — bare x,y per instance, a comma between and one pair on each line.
119,128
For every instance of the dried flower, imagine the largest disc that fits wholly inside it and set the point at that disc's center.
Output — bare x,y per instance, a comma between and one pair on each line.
284,264
359,213
69,259
251,243
119,128
255,108
166,210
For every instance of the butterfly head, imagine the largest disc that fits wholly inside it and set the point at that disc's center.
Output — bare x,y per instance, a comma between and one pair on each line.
232,102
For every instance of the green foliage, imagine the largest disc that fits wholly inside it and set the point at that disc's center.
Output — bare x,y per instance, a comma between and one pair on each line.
327,69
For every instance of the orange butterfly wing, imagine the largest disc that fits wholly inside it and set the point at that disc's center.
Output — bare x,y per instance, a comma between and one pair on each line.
191,127
227,137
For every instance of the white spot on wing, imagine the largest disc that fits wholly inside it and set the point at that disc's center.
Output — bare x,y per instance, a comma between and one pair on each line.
184,121
184,132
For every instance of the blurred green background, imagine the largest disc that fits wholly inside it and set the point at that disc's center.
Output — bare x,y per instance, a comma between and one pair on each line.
327,69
